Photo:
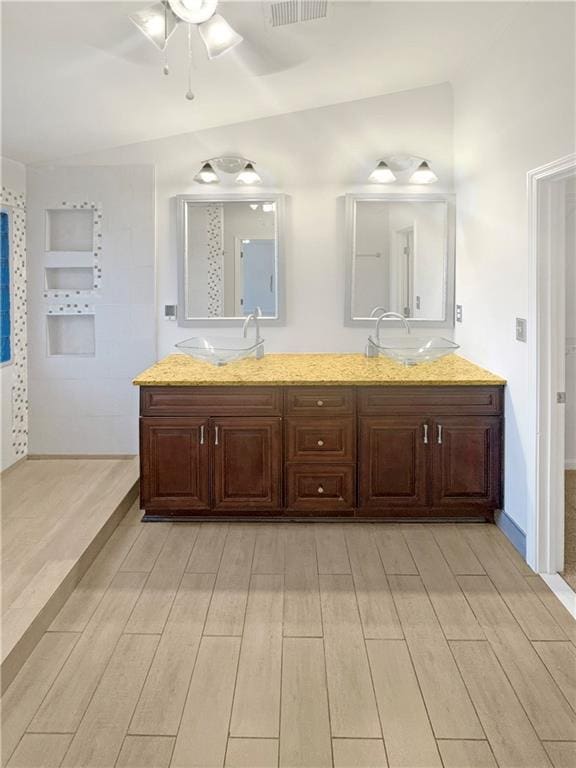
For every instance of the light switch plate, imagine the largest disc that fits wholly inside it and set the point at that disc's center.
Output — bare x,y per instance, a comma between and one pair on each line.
521,329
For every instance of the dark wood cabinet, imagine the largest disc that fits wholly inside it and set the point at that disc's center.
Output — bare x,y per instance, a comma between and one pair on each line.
247,464
466,461
175,463
371,452
393,462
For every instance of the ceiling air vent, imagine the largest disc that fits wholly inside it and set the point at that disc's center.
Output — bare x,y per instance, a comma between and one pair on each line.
284,12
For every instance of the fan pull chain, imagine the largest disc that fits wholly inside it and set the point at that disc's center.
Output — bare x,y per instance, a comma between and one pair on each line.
189,94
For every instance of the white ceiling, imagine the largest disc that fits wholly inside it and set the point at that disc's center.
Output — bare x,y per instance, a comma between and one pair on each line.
78,76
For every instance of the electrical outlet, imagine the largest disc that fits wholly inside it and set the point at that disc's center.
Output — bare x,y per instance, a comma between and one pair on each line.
521,329
458,313
170,311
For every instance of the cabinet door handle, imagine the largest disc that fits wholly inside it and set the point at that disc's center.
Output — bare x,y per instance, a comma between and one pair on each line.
216,435
439,440
202,434
426,434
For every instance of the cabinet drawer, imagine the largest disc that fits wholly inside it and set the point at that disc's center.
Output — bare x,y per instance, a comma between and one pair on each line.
332,439
211,401
318,488
319,400
374,401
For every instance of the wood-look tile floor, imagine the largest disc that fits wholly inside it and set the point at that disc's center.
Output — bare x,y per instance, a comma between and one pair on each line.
300,645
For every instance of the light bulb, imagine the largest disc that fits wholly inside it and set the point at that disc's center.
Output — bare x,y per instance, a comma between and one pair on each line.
423,175
206,175
268,207
248,175
382,174
218,36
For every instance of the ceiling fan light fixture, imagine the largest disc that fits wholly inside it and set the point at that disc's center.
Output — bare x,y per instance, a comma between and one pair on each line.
248,175
157,22
218,36
382,174
206,175
193,11
423,175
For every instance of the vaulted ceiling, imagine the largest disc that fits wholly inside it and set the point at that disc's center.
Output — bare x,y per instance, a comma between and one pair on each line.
78,76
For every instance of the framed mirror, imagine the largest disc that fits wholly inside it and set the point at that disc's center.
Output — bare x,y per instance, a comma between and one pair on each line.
230,256
400,254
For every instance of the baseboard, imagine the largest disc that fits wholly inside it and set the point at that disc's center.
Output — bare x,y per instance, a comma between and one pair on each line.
512,531
51,456
570,465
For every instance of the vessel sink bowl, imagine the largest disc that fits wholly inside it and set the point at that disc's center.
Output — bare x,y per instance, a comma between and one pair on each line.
411,350
220,350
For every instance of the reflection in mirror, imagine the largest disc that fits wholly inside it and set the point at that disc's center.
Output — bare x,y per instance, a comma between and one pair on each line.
400,258
230,258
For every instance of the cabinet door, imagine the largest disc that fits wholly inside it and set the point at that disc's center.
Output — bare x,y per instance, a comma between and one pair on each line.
466,461
247,464
393,459
175,458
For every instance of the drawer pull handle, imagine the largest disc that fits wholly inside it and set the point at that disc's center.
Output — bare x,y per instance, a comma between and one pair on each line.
216,435
425,434
320,489
320,443
320,403
439,434
202,434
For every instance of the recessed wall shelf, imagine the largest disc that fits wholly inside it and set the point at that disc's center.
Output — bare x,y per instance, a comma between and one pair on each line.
71,335
70,229
69,279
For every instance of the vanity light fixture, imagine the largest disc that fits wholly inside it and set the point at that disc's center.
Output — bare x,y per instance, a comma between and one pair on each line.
405,169
248,175
423,174
230,164
206,175
382,174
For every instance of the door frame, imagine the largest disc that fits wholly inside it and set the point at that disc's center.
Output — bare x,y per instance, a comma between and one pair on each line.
547,341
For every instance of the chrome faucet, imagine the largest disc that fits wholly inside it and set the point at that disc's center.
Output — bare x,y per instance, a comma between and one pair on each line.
253,317
389,314
371,349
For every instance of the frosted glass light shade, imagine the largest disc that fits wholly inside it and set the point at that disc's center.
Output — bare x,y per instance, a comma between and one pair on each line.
248,175
157,22
193,11
218,36
382,174
423,175
206,175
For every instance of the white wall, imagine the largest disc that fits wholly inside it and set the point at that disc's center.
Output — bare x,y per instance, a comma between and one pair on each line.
87,405
514,111
315,157
571,324
13,183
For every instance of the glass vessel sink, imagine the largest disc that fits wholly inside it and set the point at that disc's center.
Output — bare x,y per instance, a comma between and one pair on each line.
220,350
411,350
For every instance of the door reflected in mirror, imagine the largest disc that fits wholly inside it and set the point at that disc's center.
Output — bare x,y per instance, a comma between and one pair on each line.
400,258
230,258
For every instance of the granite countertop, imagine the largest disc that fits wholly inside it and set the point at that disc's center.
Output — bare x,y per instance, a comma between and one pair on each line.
277,370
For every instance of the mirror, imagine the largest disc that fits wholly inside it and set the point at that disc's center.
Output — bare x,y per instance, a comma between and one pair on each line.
229,256
401,255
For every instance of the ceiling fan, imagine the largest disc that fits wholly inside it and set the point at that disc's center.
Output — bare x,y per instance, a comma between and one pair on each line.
159,21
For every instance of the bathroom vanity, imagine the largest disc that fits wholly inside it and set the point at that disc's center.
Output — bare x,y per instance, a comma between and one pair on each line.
320,436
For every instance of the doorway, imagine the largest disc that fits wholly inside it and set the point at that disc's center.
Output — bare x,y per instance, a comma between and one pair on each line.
551,389
255,286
